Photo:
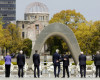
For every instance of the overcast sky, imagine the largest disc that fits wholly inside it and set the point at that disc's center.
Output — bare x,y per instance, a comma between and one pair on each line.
90,9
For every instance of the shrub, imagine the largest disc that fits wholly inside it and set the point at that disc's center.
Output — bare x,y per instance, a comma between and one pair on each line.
2,62
73,63
89,62
14,63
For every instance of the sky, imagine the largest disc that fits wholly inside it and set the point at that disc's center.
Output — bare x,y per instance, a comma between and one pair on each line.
90,9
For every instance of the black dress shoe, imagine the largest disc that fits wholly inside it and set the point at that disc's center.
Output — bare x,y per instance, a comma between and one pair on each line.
58,76
95,76
63,77
68,77
35,77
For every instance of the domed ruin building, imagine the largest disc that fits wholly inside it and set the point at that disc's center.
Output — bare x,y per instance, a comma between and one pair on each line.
36,17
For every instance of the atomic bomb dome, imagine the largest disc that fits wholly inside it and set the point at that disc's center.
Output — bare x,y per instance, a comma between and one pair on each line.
36,18
36,11
36,7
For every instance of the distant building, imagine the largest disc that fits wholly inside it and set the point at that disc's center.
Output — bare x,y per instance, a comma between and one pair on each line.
36,17
8,10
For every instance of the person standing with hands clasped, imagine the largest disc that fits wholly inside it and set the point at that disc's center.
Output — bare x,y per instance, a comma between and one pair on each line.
56,62
65,59
7,65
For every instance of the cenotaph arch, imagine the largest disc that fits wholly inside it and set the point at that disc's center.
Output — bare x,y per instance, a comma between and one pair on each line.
61,30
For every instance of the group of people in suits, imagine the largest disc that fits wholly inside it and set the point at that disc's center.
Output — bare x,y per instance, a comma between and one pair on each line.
21,63
56,62
82,63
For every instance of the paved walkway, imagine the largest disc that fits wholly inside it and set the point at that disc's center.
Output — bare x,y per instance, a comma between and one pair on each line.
45,77
27,78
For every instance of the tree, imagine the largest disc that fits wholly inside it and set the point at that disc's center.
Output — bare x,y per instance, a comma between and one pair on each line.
1,35
56,42
5,39
96,35
1,22
84,37
1,31
88,35
11,41
68,17
27,46
16,41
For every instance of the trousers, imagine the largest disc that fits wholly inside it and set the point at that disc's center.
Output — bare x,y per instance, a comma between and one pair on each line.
67,70
55,67
98,70
38,71
20,71
7,70
83,70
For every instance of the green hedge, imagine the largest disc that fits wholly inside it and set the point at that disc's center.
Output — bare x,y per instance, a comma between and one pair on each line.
89,62
2,62
73,63
14,63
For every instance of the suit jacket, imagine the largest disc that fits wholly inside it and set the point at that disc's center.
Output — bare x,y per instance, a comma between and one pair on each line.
36,59
97,59
21,59
56,57
82,59
65,60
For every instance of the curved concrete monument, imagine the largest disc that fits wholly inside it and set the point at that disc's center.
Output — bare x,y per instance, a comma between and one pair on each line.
64,32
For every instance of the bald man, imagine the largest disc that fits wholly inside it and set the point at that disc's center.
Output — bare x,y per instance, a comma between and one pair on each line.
82,63
20,63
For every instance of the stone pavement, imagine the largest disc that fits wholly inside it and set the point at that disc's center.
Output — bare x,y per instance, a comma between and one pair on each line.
45,77
32,78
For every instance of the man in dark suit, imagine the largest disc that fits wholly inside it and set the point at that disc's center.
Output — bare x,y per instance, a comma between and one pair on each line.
56,62
36,61
82,63
65,59
20,63
97,63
